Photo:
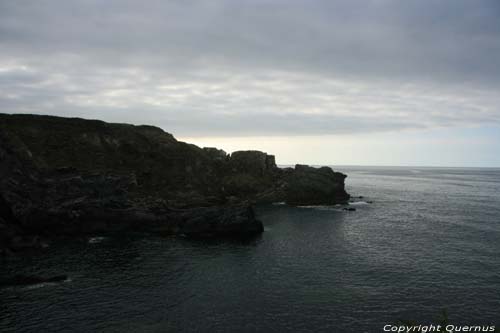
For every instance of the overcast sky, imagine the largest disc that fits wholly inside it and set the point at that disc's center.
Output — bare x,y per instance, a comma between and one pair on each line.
323,82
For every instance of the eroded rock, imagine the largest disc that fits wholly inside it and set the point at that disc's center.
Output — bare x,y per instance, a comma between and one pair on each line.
73,176
307,185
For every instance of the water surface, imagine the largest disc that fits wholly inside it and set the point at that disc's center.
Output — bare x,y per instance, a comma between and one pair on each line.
430,240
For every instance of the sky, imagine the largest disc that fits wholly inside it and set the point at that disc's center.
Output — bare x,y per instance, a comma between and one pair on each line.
372,82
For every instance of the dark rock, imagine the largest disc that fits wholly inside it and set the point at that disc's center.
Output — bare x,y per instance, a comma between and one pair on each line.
219,222
349,209
61,176
9,228
315,186
215,154
27,242
252,162
25,280
250,175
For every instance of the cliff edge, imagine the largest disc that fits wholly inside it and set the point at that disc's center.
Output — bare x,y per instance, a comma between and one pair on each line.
71,176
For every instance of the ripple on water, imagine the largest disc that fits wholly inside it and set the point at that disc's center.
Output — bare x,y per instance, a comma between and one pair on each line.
422,246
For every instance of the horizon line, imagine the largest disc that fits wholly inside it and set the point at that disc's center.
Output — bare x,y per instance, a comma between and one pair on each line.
392,166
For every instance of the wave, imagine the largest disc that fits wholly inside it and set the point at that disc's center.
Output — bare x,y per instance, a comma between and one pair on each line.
95,240
358,203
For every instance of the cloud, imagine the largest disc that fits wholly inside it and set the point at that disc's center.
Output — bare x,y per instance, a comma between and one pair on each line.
246,68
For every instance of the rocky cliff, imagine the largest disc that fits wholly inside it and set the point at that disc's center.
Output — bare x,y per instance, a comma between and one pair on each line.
72,176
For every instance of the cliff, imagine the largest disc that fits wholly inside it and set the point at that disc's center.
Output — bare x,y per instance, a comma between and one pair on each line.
71,176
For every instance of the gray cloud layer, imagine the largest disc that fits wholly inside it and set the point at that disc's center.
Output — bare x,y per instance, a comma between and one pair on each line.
201,68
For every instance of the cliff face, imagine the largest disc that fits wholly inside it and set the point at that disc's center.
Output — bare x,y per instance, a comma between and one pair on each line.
75,175
142,160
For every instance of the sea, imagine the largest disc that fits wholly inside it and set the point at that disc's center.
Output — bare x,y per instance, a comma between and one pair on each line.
422,246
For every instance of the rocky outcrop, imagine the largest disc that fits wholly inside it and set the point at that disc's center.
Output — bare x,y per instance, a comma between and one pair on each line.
72,176
309,186
252,175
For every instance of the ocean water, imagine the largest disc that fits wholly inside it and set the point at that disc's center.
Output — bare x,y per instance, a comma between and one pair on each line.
430,240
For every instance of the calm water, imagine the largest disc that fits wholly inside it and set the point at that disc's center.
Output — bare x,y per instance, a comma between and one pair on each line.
430,240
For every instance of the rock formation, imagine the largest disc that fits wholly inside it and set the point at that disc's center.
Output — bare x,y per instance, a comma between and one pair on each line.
72,176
